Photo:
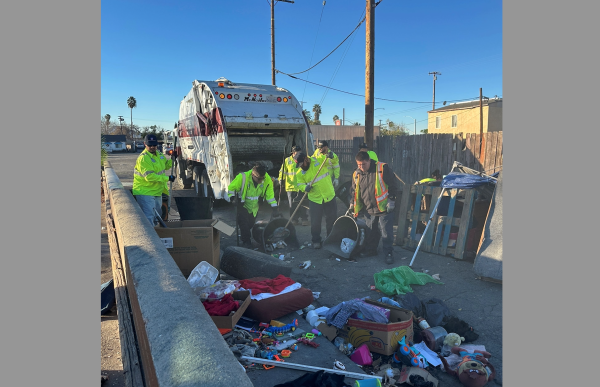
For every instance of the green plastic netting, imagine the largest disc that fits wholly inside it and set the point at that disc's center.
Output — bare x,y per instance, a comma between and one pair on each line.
398,280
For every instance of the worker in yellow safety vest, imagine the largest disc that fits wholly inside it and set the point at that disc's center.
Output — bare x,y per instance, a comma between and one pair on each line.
374,189
149,178
250,186
321,194
287,176
333,163
365,148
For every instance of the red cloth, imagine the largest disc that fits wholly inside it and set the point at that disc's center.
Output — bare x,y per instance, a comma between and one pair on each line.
221,307
274,285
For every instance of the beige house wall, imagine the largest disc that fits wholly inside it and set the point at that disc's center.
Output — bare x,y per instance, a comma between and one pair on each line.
467,121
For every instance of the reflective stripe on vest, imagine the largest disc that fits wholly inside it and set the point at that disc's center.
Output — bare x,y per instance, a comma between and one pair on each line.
243,187
321,177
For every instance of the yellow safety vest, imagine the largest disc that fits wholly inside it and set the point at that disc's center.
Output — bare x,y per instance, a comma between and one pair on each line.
381,190
333,166
287,173
322,188
250,193
149,176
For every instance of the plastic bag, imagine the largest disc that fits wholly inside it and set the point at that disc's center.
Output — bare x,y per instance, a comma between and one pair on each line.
411,302
217,290
436,312
347,245
398,280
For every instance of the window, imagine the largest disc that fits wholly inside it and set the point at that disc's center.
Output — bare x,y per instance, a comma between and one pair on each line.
454,120
438,122
117,145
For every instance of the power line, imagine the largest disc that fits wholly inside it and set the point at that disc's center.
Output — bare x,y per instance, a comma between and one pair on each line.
313,50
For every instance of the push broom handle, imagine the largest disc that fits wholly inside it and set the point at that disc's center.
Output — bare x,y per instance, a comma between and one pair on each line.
305,193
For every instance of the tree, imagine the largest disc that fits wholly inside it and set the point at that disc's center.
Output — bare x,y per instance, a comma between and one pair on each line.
424,131
131,102
394,129
335,118
317,110
356,123
107,121
308,115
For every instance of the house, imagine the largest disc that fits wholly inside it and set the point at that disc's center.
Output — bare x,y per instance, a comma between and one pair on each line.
340,132
465,117
114,143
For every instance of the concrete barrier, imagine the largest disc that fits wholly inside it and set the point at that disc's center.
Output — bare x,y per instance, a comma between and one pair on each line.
178,342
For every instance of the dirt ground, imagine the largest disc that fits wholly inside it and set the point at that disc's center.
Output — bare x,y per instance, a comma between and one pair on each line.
477,302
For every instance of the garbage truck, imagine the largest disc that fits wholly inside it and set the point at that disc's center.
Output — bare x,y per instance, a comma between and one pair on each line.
225,128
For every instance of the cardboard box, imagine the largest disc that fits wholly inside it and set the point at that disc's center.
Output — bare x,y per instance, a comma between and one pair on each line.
330,332
380,338
192,241
228,322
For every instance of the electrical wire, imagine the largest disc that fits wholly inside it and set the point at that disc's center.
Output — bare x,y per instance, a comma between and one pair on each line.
313,51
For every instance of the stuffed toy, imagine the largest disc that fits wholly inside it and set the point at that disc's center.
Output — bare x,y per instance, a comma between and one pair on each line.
451,340
474,370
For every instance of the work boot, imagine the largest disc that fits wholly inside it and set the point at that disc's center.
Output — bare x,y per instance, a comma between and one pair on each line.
305,222
317,245
389,258
295,222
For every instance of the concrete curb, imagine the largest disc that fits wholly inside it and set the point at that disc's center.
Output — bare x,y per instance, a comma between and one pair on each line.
178,342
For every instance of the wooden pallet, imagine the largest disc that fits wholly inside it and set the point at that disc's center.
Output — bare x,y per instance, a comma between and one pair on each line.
435,241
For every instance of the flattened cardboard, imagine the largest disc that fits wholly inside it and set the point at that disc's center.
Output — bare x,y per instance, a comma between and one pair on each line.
380,338
407,371
228,322
192,241
330,332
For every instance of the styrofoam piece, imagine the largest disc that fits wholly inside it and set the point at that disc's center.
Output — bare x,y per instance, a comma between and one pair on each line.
204,274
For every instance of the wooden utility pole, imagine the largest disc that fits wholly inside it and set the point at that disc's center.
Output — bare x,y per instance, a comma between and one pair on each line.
369,72
273,38
435,74
481,140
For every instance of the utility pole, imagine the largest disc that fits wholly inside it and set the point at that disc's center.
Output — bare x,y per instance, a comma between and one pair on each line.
369,72
435,74
343,116
273,38
481,140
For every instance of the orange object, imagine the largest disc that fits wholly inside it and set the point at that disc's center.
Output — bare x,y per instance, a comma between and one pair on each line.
268,367
224,330
286,353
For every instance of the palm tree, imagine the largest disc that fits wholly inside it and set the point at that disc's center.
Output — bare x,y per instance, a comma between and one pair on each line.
131,102
317,110
335,118
107,118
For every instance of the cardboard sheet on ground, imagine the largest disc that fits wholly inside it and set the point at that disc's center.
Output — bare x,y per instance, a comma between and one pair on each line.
398,280
431,357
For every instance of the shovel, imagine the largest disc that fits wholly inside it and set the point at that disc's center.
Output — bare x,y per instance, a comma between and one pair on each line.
282,233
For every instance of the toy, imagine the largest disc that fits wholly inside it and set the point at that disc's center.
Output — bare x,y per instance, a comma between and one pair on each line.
474,370
409,355
283,329
307,342
451,340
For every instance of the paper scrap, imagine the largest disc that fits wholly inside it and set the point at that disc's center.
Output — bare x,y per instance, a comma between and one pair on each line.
428,354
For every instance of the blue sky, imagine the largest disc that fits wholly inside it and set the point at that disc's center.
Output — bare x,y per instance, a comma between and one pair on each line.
153,50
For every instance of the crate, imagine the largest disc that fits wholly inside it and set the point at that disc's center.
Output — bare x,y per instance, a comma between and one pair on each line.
412,211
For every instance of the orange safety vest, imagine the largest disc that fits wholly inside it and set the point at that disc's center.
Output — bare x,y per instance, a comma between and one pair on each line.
381,191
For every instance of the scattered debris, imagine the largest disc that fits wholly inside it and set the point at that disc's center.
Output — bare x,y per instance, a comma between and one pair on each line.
337,259
305,265
338,365
316,295
436,276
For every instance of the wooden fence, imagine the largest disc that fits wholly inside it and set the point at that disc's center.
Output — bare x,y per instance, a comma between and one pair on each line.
413,158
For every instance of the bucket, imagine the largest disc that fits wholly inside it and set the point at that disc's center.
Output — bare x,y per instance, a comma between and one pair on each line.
367,383
262,230
362,355
434,337
194,208
346,227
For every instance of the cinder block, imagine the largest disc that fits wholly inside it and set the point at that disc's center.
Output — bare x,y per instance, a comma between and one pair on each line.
242,263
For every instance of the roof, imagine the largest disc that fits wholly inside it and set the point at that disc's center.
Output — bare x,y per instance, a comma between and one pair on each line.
466,105
114,138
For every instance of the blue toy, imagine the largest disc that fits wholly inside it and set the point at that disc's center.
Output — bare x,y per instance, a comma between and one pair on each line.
409,355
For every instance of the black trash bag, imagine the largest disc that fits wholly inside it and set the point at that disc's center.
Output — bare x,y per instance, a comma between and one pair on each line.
411,302
316,379
461,328
419,381
436,312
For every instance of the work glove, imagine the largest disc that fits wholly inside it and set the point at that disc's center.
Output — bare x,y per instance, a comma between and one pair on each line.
307,188
171,178
335,183
330,155
276,213
351,208
391,205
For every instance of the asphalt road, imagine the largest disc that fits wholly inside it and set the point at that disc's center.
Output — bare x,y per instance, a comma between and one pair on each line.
477,302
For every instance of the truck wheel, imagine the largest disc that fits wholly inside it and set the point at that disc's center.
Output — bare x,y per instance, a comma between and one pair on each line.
181,167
